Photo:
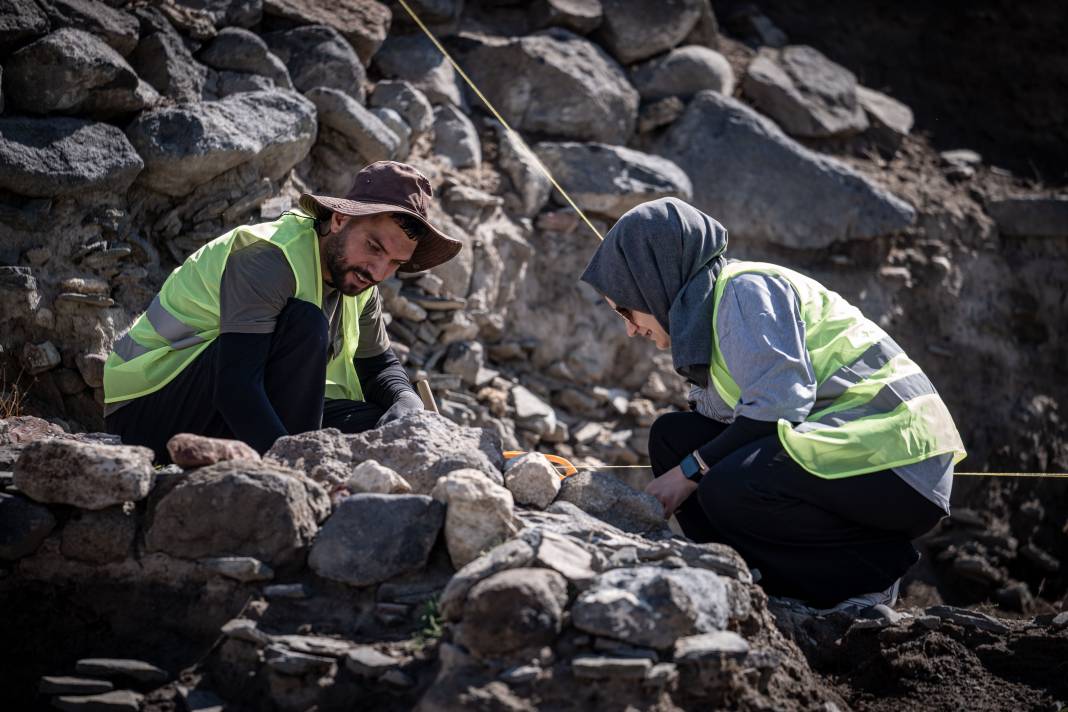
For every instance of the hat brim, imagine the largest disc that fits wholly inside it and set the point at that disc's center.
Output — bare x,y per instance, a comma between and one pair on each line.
433,249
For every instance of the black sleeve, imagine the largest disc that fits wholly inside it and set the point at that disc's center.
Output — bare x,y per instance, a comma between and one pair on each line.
383,378
739,433
240,395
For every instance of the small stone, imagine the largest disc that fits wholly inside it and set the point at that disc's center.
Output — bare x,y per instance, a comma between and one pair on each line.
38,358
595,667
116,701
240,568
122,667
295,591
520,674
662,674
189,450
531,412
289,662
719,644
246,630
1060,620
532,480
370,477
366,661
58,685
968,619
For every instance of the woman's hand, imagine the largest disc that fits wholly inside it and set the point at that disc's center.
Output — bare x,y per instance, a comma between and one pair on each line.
671,489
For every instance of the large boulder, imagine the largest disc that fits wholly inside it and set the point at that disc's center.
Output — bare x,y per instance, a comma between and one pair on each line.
86,475
364,23
118,28
185,146
237,508
683,71
609,499
71,71
420,447
513,612
372,538
319,56
806,93
60,156
479,514
21,21
415,59
162,59
653,607
637,29
765,186
557,83
610,180
239,50
23,526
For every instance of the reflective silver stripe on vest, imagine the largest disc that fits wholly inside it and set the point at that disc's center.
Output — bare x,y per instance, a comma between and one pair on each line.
875,357
889,397
128,349
179,335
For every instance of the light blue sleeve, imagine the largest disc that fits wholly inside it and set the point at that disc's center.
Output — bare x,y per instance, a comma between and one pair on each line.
762,339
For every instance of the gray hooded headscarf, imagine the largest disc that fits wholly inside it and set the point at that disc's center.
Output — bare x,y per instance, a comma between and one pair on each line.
662,257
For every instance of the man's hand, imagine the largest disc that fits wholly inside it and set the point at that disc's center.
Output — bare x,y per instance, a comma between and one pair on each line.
408,402
671,488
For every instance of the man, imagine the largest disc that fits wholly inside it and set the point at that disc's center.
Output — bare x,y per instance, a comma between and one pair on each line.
277,328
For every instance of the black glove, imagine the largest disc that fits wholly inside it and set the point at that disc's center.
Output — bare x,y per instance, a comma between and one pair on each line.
407,402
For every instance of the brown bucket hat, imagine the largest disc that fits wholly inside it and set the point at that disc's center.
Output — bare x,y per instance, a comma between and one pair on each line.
391,187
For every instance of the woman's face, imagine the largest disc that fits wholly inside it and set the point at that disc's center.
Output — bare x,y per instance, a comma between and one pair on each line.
642,324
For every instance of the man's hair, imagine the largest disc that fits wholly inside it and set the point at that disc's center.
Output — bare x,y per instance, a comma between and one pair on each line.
413,228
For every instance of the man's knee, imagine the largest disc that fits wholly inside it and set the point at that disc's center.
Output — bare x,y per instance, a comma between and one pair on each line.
303,322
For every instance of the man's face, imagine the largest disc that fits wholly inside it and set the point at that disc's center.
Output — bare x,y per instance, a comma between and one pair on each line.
359,252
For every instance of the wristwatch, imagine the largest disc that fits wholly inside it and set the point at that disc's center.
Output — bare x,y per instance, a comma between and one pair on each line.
693,467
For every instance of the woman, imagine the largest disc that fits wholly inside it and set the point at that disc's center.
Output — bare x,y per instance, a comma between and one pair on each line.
818,449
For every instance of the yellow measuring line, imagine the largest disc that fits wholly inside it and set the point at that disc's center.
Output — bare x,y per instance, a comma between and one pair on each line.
500,118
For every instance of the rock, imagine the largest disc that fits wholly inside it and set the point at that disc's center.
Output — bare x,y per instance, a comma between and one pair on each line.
117,28
163,60
806,93
478,515
319,56
652,607
610,180
607,498
961,157
99,537
226,13
364,23
369,477
258,509
465,359
365,661
186,146
84,475
189,450
683,72
638,29
239,50
512,554
416,60
455,137
406,100
395,123
889,121
240,568
288,662
71,71
765,186
52,157
717,645
1060,621
596,667
38,358
323,455
21,21
23,526
115,701
513,612
122,667
659,113
62,685
579,16
364,131
91,368
520,165
532,480
424,446
969,619
372,538
531,412
1030,216
529,78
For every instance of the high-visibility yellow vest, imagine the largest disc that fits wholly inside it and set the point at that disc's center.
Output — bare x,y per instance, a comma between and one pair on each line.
875,409
183,318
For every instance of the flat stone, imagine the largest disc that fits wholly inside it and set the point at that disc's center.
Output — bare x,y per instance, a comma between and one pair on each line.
84,475
23,526
294,591
115,701
719,644
240,568
246,630
368,662
289,662
564,555
597,667
122,667
1031,216
968,619
189,450
60,685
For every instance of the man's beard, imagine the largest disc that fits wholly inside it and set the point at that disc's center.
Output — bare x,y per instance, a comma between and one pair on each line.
335,265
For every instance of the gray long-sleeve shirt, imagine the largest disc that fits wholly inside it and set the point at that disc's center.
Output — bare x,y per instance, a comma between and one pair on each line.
762,339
